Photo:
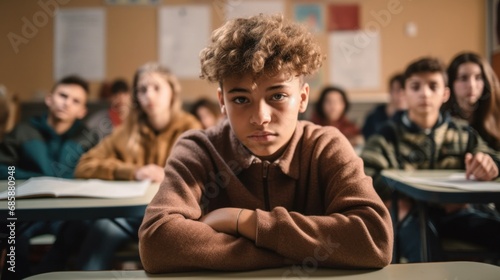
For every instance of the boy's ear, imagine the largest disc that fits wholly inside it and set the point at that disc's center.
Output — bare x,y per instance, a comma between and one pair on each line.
446,94
48,100
220,97
304,98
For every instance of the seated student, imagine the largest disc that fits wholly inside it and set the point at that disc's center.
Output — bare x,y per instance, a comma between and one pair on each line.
4,111
207,112
263,189
475,96
137,150
397,102
331,109
424,138
104,121
48,145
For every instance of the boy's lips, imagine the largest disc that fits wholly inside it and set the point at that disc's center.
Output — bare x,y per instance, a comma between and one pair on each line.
262,136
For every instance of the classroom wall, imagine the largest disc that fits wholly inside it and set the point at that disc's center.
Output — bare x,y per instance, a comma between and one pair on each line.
445,27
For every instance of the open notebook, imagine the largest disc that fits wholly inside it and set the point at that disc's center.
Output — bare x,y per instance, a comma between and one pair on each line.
58,187
457,181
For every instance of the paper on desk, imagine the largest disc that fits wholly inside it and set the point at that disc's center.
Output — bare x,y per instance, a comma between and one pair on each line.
58,187
457,181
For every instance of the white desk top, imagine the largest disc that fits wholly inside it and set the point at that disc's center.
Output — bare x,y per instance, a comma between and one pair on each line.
30,209
415,271
396,179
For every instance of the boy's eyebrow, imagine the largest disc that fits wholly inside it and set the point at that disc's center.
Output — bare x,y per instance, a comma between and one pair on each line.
275,87
238,90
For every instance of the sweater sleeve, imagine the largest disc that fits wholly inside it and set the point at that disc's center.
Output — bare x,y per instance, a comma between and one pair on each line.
102,162
355,230
10,150
172,239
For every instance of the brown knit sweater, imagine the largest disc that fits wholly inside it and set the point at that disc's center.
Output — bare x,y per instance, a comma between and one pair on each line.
112,159
315,205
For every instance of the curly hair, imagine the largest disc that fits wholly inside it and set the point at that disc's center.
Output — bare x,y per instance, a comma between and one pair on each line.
258,45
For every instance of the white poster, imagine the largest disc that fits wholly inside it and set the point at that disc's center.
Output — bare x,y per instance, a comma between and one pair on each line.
183,32
79,47
354,59
236,9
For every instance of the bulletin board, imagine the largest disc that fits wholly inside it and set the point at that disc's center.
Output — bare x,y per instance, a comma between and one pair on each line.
132,38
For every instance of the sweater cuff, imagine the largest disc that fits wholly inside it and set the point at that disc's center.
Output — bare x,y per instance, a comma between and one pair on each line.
267,230
125,173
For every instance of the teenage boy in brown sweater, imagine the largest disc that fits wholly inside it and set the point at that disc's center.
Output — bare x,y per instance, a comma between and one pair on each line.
263,189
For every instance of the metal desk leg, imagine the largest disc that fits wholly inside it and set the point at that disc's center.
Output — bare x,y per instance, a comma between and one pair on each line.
422,215
395,225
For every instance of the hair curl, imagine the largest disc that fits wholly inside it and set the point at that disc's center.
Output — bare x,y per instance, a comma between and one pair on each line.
257,45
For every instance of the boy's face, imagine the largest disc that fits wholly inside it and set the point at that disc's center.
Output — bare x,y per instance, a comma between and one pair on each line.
425,93
67,102
263,113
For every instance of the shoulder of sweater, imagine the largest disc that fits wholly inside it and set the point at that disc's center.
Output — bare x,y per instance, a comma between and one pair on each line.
185,120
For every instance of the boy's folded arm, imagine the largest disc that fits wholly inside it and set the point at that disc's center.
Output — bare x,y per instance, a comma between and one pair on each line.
356,232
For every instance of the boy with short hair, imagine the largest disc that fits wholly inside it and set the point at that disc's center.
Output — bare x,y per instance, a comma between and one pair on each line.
423,137
263,189
50,145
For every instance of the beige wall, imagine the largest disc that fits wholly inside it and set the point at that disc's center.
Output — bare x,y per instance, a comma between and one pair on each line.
445,27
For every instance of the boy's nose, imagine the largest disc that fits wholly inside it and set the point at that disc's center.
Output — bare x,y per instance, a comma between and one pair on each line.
261,115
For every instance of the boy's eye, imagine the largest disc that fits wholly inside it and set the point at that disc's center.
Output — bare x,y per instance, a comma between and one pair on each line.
278,96
415,87
240,100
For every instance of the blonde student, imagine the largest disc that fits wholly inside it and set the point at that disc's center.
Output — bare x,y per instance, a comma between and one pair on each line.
262,189
137,150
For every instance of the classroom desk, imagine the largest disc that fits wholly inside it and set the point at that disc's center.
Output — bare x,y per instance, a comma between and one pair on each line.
424,194
415,271
64,208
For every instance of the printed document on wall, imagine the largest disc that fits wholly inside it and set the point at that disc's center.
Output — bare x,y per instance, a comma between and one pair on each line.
240,8
183,32
79,46
354,59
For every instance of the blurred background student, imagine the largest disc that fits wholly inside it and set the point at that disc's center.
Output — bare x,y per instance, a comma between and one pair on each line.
397,102
475,96
40,147
137,150
4,111
118,95
331,109
207,112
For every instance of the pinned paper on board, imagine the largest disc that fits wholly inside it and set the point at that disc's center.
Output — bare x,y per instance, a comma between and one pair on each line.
354,59
237,9
79,47
343,17
311,16
183,32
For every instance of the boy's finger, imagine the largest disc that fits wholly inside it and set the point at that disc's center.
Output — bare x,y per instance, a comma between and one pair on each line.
468,159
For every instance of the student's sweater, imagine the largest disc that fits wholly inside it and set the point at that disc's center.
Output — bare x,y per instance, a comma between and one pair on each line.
314,205
401,144
113,158
35,149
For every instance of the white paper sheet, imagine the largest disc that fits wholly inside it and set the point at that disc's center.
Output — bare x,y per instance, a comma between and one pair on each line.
236,9
457,181
79,46
58,187
183,32
354,59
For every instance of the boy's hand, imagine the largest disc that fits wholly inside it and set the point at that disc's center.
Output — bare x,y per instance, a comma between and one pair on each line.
224,220
150,171
481,166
